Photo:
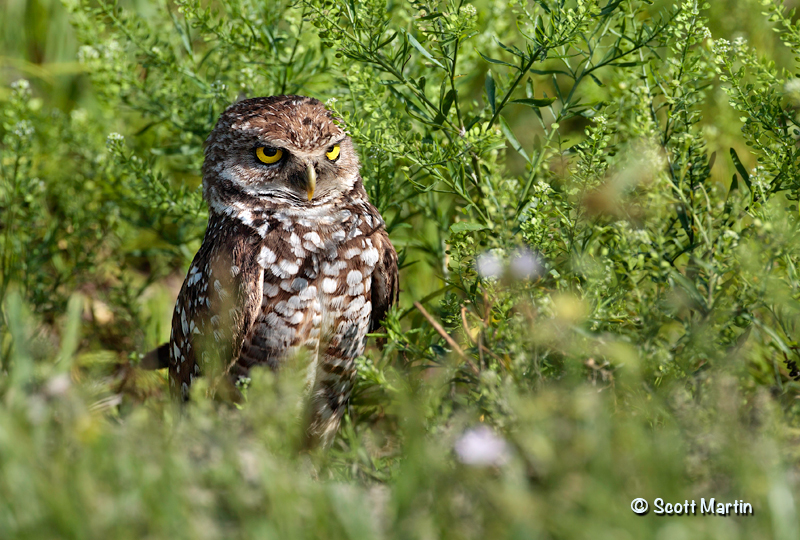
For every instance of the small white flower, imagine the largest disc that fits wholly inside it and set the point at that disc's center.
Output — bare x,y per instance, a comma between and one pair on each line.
642,236
58,385
114,141
468,10
86,54
722,47
23,130
489,265
21,85
525,264
480,446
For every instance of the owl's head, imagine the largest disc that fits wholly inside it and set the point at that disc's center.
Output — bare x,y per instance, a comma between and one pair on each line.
278,149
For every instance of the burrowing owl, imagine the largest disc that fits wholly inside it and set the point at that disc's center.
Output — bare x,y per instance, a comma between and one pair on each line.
295,259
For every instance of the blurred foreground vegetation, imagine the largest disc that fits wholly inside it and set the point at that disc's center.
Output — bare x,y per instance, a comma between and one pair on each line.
596,202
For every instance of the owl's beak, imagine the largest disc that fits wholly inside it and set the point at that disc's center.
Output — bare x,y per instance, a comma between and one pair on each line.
311,176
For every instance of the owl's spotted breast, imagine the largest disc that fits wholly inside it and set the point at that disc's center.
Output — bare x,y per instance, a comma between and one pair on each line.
316,299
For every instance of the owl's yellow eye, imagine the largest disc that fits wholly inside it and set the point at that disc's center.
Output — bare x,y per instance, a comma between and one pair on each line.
333,152
269,155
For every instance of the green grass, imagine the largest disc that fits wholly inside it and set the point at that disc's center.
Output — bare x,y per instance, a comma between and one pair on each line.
630,169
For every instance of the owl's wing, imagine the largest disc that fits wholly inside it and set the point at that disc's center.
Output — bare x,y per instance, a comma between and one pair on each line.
385,285
216,307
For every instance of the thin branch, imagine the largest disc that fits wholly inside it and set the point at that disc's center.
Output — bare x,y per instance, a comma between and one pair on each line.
450,341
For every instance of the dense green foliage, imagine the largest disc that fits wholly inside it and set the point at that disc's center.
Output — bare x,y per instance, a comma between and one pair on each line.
596,208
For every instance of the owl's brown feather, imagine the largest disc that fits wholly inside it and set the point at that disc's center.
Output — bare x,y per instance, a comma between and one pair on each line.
216,305
385,280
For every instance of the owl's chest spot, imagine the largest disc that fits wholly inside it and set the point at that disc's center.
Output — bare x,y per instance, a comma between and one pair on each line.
315,290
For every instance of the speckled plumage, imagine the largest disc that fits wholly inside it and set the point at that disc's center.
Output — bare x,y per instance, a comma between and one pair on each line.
279,272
